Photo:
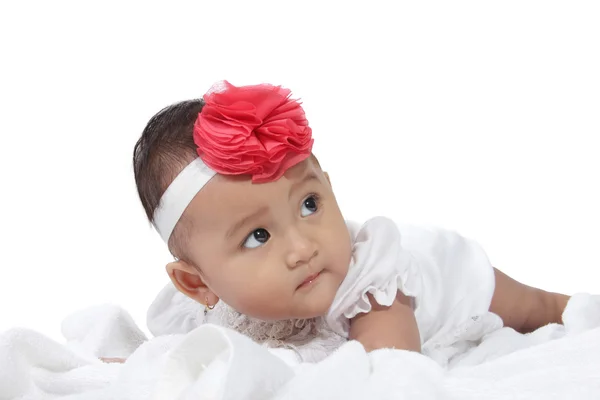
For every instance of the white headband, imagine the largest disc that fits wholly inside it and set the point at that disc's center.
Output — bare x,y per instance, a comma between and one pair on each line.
178,196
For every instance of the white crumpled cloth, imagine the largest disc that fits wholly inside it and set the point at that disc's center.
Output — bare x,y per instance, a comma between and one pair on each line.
212,362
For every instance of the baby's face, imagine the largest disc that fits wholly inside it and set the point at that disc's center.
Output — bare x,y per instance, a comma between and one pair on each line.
277,250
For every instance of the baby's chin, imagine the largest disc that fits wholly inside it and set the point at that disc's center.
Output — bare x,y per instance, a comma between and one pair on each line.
307,311
312,304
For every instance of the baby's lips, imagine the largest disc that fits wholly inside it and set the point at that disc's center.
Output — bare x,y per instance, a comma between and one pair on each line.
309,279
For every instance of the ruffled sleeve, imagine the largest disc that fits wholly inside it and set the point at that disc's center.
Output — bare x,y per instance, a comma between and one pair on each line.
448,276
380,266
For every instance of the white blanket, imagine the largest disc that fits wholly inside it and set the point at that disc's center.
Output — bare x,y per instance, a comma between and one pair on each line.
211,362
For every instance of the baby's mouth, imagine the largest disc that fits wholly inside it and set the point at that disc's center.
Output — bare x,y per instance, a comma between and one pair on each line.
310,280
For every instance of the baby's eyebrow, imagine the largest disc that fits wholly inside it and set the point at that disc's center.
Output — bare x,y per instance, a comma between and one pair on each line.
309,177
261,211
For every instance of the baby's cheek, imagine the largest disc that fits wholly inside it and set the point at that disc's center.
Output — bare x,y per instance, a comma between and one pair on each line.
266,306
341,254
259,298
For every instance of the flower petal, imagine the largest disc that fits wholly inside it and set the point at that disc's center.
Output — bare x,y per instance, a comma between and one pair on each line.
256,130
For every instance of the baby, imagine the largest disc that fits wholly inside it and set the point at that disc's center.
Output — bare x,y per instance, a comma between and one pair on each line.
231,185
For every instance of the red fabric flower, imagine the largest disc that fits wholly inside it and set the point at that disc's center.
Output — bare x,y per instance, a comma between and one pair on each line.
256,130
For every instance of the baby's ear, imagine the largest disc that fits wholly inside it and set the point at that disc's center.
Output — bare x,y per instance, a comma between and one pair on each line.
188,281
327,176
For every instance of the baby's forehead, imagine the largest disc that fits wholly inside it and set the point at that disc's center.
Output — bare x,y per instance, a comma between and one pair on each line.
225,199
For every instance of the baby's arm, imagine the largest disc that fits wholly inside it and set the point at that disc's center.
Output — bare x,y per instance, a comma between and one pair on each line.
387,327
521,307
525,308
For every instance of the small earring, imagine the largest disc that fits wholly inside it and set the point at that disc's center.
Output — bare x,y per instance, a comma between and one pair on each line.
207,308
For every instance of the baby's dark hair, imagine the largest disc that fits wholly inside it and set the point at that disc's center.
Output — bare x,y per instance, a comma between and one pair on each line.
164,149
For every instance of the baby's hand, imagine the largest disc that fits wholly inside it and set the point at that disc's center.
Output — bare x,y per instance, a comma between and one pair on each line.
109,360
387,327
560,301
525,308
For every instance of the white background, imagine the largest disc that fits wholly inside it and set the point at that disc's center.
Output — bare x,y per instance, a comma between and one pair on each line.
477,116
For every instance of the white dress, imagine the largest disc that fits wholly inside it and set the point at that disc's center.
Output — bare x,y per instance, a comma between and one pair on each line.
448,276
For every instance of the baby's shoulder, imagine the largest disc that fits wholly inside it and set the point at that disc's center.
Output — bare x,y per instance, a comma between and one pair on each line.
407,233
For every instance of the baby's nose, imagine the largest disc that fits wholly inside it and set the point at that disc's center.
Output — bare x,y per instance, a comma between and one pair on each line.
302,251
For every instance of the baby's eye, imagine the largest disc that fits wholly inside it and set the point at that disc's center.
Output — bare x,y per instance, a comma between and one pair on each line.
257,238
309,205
